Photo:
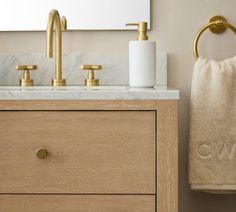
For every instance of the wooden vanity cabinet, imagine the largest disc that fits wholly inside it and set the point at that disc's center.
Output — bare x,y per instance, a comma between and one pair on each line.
100,156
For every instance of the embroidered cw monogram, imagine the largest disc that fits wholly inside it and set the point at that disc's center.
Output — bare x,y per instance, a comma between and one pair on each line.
215,149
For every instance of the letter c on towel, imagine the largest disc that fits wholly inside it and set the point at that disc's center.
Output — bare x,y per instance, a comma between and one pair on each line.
205,151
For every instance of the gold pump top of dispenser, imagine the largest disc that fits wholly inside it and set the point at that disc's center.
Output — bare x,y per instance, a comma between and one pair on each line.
142,29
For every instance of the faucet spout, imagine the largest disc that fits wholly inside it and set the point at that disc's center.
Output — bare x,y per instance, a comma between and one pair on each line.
55,20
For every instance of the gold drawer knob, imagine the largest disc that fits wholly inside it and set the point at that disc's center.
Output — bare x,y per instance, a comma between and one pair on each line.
41,153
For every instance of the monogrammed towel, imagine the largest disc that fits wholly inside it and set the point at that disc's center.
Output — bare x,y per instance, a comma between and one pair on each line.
212,148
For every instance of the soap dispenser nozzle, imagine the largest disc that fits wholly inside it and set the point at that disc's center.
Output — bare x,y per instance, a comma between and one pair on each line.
142,29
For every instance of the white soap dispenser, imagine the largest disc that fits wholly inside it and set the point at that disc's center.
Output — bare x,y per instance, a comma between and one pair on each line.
142,59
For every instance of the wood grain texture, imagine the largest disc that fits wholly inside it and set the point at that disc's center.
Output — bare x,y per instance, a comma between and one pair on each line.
167,157
89,152
77,203
167,154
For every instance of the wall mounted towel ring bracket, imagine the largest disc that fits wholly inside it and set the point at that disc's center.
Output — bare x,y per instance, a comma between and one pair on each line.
218,25
218,28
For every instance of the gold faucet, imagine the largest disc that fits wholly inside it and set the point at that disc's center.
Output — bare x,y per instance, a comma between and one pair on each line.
54,19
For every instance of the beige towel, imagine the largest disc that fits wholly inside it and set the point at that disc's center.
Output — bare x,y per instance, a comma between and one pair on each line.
212,148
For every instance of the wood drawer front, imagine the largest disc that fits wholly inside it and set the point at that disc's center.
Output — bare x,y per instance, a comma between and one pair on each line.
77,203
105,152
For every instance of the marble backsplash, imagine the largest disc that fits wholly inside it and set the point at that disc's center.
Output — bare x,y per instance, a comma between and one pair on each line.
115,68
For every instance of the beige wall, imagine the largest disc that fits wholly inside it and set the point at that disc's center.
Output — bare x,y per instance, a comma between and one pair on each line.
175,23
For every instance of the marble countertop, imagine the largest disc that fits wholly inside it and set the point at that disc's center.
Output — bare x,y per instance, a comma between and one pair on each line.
84,93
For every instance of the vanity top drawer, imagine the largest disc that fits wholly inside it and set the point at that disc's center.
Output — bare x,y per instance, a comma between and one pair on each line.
97,152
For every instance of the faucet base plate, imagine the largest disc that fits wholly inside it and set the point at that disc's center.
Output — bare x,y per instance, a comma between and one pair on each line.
91,82
26,82
60,82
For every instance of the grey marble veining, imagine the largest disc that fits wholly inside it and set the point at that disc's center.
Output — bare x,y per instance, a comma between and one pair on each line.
115,68
84,93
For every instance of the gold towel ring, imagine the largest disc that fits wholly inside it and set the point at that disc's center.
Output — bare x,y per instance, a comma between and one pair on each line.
218,25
